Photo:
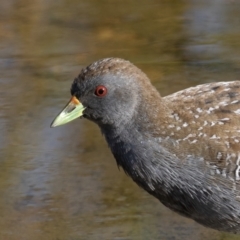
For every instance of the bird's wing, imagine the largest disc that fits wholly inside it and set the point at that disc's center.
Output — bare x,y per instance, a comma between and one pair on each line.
206,125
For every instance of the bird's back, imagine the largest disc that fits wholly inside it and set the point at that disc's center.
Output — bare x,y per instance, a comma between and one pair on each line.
207,124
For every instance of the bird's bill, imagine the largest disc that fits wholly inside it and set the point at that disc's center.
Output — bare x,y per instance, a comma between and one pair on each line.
73,110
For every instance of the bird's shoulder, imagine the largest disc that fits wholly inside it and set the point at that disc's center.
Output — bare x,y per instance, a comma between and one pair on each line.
206,125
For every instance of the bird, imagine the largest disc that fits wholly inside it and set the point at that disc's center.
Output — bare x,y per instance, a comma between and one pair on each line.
183,149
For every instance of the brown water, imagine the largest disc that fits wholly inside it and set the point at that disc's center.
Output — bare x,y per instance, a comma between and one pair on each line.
63,183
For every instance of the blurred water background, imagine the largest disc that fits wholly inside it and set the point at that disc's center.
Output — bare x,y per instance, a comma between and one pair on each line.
63,183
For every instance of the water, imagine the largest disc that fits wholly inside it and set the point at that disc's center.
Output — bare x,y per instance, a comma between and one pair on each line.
63,183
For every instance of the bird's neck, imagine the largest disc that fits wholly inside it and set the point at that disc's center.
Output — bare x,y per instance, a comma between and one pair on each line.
137,148
136,144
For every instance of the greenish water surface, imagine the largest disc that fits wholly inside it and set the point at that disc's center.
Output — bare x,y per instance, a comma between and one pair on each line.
63,183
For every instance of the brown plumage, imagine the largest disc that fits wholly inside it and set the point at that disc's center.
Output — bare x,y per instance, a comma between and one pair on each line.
206,123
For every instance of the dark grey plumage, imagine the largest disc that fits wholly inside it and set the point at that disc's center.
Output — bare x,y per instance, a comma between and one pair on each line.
184,149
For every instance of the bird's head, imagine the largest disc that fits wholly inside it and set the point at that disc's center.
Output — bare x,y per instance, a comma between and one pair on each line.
108,92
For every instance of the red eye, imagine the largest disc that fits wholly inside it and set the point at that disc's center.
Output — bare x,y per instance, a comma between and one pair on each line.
100,91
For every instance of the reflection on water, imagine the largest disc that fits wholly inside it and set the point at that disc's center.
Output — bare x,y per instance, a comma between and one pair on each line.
63,183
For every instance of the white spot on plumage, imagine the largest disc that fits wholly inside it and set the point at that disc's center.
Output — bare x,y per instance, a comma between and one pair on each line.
185,124
210,109
194,141
227,144
238,168
189,136
176,116
224,173
223,104
228,157
226,89
213,123
237,111
219,155
224,119
214,137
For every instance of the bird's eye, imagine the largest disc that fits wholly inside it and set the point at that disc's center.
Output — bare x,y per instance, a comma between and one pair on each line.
100,91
